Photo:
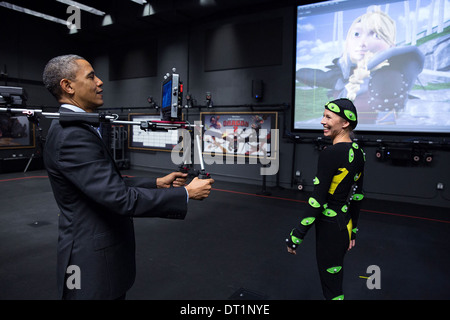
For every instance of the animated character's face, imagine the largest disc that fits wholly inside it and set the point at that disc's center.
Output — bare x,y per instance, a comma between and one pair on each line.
362,39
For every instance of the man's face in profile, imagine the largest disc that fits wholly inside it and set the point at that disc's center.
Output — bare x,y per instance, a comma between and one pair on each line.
87,86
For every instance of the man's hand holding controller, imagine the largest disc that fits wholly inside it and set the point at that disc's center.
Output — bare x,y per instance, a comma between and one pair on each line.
199,189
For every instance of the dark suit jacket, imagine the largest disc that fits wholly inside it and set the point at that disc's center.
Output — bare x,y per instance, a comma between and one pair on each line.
97,204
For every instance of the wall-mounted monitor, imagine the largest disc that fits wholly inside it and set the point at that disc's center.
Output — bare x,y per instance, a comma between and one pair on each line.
139,139
390,57
16,132
240,134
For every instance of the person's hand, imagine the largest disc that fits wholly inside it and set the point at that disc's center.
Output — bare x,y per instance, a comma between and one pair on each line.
291,251
293,240
177,179
351,244
199,189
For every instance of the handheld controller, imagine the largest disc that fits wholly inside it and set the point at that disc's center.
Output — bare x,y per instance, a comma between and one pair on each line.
202,174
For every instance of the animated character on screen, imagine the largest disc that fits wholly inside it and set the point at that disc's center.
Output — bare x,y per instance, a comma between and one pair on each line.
372,72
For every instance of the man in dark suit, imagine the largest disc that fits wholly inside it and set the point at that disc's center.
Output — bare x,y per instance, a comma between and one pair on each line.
96,243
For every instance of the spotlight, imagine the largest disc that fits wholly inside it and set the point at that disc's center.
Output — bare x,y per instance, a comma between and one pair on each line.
209,103
428,157
107,20
152,103
189,101
298,180
416,156
381,153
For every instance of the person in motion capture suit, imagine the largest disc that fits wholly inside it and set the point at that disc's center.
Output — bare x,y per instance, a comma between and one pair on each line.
336,199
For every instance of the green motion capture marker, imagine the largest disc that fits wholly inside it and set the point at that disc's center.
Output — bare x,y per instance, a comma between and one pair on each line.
329,213
334,270
313,202
351,155
358,197
350,115
307,221
295,239
333,107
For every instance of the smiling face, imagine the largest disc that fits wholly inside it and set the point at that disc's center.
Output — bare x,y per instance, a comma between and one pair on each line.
333,125
85,90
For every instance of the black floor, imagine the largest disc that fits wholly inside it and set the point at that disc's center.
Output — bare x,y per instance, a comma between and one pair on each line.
231,246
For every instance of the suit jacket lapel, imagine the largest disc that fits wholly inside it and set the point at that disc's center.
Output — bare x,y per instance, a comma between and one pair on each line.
96,133
105,147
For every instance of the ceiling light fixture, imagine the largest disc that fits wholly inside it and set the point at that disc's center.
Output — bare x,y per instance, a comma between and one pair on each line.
206,3
148,10
107,20
140,1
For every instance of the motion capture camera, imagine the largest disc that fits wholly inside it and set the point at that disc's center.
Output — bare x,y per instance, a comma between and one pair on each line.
172,96
12,96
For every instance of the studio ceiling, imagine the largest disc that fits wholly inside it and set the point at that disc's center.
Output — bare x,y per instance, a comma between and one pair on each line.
128,16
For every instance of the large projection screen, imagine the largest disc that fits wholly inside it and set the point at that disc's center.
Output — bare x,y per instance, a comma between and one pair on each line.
392,58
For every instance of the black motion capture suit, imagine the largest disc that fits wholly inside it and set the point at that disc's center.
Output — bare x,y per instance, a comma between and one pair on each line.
333,207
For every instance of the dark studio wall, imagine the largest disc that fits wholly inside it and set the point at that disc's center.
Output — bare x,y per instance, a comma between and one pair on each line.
222,57
25,48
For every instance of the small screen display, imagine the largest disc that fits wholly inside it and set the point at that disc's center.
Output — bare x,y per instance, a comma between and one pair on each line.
167,95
